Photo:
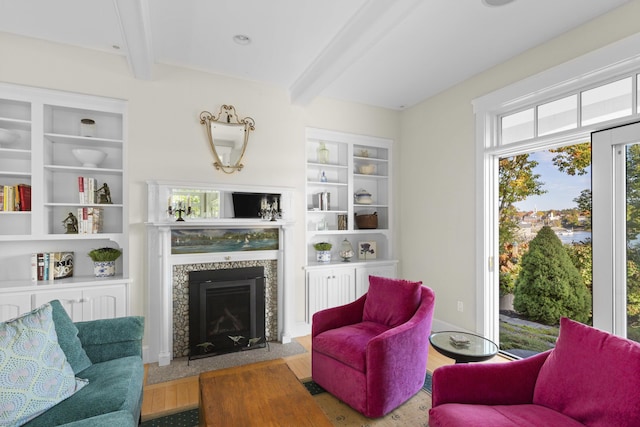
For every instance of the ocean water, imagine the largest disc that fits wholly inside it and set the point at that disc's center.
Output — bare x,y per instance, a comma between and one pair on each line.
576,237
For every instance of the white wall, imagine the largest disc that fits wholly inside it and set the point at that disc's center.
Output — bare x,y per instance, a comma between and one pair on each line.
166,140
438,159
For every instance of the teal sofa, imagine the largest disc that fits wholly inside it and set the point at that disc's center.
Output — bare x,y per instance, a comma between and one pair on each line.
114,368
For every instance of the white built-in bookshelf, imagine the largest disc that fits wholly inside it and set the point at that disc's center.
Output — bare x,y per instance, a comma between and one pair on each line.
48,127
340,165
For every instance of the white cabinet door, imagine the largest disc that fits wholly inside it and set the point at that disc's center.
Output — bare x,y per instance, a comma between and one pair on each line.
329,288
70,299
363,273
91,303
341,289
105,302
13,306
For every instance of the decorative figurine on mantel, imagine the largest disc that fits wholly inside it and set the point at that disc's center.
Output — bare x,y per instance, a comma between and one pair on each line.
71,224
103,195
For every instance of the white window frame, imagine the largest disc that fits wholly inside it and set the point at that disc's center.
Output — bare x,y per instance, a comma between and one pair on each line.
595,68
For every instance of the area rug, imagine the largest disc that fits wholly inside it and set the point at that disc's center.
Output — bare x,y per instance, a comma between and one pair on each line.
181,419
414,412
182,367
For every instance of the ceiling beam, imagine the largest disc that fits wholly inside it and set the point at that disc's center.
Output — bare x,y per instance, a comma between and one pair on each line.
135,26
374,20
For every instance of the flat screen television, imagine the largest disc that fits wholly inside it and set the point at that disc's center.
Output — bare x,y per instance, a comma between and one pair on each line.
248,205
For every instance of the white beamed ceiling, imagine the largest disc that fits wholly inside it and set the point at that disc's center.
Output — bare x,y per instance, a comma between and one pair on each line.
387,53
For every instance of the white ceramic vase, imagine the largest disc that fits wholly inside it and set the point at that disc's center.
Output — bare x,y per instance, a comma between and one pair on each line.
323,256
104,268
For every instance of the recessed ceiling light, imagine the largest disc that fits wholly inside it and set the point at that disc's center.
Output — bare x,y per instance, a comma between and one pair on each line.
242,39
496,2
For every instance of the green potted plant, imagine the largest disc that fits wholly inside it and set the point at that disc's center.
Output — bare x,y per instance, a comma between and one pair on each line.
323,251
104,261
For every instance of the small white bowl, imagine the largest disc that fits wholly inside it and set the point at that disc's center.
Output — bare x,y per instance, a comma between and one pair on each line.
8,136
89,157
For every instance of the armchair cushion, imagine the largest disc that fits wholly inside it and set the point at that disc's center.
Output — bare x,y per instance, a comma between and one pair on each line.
349,343
456,414
391,302
597,388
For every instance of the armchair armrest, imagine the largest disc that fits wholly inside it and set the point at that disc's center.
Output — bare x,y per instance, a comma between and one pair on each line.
336,317
508,383
108,339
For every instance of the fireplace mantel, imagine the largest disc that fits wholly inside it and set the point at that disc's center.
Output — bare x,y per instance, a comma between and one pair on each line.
161,261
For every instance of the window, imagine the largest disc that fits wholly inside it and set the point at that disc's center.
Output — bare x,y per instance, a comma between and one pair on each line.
551,110
518,127
557,116
607,102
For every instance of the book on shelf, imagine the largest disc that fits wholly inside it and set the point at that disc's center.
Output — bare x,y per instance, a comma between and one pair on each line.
24,191
87,190
46,266
90,220
15,198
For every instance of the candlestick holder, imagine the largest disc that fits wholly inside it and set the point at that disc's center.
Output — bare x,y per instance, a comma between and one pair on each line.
270,213
180,210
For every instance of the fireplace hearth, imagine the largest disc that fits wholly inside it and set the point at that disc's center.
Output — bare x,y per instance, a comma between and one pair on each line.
226,311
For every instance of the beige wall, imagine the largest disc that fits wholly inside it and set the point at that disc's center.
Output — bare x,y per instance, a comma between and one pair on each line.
166,140
437,177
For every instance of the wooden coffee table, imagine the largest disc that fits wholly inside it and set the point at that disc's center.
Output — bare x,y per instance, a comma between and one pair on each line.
260,394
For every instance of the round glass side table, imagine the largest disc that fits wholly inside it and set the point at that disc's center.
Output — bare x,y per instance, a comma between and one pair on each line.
463,347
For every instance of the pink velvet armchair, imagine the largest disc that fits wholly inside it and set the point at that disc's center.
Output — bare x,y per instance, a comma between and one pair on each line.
372,353
591,378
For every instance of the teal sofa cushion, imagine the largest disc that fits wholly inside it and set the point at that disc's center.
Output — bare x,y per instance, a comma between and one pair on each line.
114,385
68,338
34,372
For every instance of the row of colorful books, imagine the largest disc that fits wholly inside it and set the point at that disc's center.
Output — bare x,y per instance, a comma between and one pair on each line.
90,220
51,265
87,190
15,197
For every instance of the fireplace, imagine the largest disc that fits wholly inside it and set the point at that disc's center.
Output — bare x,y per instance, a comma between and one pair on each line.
226,311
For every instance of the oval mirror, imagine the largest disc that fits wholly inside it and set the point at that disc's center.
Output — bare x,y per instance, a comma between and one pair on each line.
228,137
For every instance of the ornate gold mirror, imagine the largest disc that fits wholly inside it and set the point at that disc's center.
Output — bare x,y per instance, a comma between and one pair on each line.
228,136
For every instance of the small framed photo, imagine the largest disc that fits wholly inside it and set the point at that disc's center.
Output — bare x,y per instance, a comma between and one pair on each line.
367,250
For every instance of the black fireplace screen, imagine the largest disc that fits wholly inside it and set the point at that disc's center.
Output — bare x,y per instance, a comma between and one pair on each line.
226,311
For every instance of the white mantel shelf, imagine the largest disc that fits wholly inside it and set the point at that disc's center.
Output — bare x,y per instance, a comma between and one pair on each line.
222,222
161,260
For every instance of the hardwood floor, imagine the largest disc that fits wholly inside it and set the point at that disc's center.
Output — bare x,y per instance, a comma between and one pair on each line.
182,394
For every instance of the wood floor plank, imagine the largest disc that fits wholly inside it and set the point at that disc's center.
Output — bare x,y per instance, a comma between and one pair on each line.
158,403
183,398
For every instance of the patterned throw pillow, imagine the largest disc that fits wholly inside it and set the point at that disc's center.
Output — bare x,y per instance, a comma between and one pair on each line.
34,372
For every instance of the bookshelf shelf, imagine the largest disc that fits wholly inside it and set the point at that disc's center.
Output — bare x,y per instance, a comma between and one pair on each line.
48,125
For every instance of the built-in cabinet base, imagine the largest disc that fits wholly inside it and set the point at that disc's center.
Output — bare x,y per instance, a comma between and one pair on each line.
83,303
339,284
